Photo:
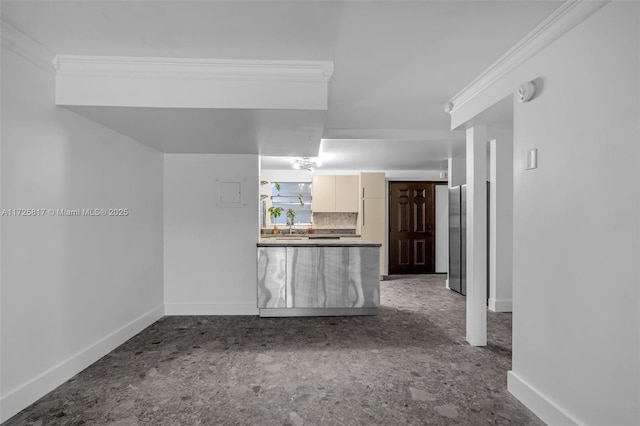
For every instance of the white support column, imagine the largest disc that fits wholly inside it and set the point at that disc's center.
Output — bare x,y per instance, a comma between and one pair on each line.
501,224
477,235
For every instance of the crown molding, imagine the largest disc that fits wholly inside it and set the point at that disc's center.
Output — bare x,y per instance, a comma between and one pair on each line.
191,82
188,68
563,19
25,46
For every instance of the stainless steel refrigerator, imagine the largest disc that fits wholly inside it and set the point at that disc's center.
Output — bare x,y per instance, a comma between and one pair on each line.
458,239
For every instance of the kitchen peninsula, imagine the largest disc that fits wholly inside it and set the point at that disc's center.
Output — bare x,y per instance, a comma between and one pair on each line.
307,276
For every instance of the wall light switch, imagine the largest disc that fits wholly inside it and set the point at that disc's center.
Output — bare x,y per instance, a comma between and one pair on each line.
532,159
325,220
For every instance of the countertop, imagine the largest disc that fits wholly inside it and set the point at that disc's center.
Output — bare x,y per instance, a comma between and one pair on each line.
316,242
285,234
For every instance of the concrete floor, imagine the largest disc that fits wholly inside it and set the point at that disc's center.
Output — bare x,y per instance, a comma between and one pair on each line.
408,365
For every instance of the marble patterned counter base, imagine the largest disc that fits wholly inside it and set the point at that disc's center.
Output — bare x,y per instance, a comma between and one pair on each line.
318,279
316,312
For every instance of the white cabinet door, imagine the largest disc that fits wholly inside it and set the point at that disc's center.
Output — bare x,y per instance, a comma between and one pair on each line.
324,193
335,194
372,185
372,220
346,194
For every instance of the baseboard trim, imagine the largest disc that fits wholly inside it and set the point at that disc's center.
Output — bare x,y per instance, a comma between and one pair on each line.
501,305
211,309
23,396
537,402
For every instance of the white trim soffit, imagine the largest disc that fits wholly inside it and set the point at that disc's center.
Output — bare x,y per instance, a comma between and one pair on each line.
25,46
188,68
395,134
563,19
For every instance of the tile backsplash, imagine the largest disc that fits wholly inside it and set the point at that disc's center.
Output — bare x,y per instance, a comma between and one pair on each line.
335,220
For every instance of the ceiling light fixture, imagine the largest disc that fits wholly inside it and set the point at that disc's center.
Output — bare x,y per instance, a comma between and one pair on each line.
304,163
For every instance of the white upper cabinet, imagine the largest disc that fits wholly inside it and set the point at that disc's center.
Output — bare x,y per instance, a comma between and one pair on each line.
372,185
346,193
323,193
333,194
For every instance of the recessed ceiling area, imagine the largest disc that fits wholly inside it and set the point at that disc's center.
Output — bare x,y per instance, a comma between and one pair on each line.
395,65
379,154
215,131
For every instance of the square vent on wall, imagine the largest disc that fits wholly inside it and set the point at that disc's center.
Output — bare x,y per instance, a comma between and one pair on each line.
230,192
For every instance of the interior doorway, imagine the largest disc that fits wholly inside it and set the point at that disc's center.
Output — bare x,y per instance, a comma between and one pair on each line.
412,236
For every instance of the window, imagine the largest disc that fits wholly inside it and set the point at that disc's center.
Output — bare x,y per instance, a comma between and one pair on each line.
290,196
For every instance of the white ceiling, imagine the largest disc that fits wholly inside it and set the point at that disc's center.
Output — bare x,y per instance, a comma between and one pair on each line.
379,154
220,131
396,63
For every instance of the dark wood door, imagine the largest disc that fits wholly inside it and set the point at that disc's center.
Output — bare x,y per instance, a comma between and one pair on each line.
412,238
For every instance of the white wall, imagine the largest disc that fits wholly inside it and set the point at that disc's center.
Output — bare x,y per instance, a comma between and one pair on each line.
286,175
305,176
576,235
457,171
73,288
501,221
414,175
576,260
209,251
442,228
